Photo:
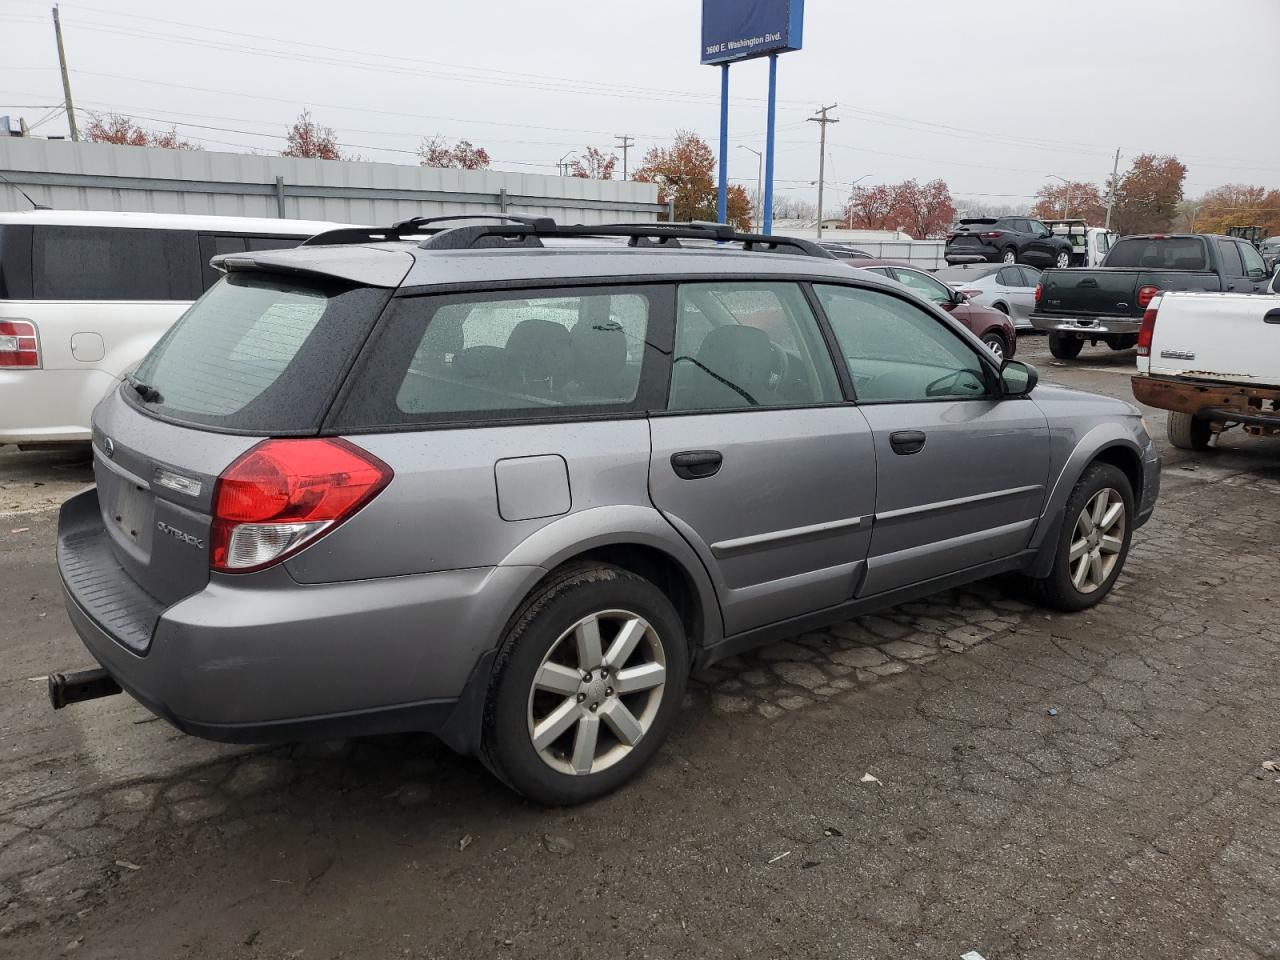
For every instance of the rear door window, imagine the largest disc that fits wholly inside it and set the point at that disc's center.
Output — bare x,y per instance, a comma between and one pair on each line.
510,356
112,263
746,345
1232,265
1030,277
257,354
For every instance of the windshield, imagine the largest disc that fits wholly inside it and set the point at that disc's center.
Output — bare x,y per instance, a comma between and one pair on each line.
256,354
1159,253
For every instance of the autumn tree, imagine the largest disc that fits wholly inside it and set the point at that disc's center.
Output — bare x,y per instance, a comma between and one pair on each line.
306,138
925,210
872,208
1236,204
1148,195
436,152
115,128
595,165
685,172
922,210
1077,200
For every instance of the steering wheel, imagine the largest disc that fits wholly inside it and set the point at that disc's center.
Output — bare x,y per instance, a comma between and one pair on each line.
945,386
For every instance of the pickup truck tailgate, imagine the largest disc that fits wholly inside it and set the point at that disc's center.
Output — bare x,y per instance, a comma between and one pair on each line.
1089,292
1216,336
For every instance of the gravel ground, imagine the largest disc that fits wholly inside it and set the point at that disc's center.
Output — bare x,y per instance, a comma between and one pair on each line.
1086,786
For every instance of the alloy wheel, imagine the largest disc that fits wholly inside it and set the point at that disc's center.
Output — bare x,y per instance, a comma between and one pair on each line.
996,347
1010,256
596,692
1098,540
1064,260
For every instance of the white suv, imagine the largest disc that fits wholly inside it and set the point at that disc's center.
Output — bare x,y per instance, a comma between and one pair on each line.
84,295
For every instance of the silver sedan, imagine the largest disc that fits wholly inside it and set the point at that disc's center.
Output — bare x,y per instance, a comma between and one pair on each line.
1009,288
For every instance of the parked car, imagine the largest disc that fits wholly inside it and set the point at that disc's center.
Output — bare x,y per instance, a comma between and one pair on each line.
92,292
1213,361
1089,245
1006,287
1105,304
445,480
1270,251
1007,240
843,250
992,327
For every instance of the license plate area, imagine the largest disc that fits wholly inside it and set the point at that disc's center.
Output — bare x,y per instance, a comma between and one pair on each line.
128,507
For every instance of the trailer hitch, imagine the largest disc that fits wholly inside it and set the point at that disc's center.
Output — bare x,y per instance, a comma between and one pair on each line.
66,688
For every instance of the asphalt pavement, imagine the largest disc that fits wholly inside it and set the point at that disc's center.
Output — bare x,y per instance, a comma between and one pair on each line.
966,773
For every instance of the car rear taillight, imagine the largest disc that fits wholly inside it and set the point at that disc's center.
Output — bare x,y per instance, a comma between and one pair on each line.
1146,294
1039,291
284,494
1147,330
19,346
991,234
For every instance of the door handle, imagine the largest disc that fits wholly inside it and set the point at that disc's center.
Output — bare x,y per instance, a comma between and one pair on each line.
696,464
907,442
1272,315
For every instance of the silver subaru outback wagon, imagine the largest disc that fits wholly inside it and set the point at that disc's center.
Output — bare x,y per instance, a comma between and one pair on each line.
510,482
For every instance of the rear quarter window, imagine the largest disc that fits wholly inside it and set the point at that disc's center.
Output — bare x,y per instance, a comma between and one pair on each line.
113,263
258,354
508,356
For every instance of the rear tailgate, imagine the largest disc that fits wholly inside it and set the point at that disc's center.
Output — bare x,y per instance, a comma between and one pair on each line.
1096,292
1234,338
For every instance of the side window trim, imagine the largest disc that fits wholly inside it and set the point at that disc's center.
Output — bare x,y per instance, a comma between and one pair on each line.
952,326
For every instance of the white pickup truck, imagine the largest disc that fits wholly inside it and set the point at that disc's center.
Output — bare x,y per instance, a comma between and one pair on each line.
1213,361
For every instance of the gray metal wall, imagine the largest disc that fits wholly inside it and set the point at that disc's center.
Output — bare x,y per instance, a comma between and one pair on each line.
99,176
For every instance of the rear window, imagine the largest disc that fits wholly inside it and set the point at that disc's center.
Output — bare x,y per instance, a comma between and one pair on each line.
960,274
1159,253
258,354
505,356
112,263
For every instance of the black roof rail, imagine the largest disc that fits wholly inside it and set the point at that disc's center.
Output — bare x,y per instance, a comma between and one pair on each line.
531,231
404,229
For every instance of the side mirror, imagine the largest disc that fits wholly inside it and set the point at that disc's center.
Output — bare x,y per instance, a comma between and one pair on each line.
1019,378
958,297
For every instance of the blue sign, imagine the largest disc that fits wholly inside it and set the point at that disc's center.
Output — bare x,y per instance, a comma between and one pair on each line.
742,29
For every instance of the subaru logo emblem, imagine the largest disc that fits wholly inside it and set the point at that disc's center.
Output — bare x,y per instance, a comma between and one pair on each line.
109,447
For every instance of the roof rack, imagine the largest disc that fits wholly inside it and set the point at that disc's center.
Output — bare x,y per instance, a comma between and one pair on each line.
405,229
517,231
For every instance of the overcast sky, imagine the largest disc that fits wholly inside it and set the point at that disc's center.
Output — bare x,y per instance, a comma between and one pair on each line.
991,96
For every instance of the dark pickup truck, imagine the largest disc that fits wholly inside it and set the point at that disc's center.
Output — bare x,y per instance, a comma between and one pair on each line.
1105,304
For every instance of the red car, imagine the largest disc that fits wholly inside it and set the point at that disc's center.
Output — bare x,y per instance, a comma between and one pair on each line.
994,328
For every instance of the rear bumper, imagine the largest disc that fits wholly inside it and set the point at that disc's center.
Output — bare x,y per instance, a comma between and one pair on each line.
1208,398
1086,326
262,658
982,254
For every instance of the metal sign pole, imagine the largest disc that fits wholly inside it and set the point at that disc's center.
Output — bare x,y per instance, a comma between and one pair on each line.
767,226
722,197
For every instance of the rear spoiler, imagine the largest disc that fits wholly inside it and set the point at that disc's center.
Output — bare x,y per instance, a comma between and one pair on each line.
367,266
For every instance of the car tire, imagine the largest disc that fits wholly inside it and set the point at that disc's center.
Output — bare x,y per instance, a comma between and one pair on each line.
1093,541
1063,260
1010,255
1065,347
997,345
542,656
1189,432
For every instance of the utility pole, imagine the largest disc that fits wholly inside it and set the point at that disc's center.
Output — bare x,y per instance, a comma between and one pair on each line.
759,182
1111,194
626,144
822,119
66,80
